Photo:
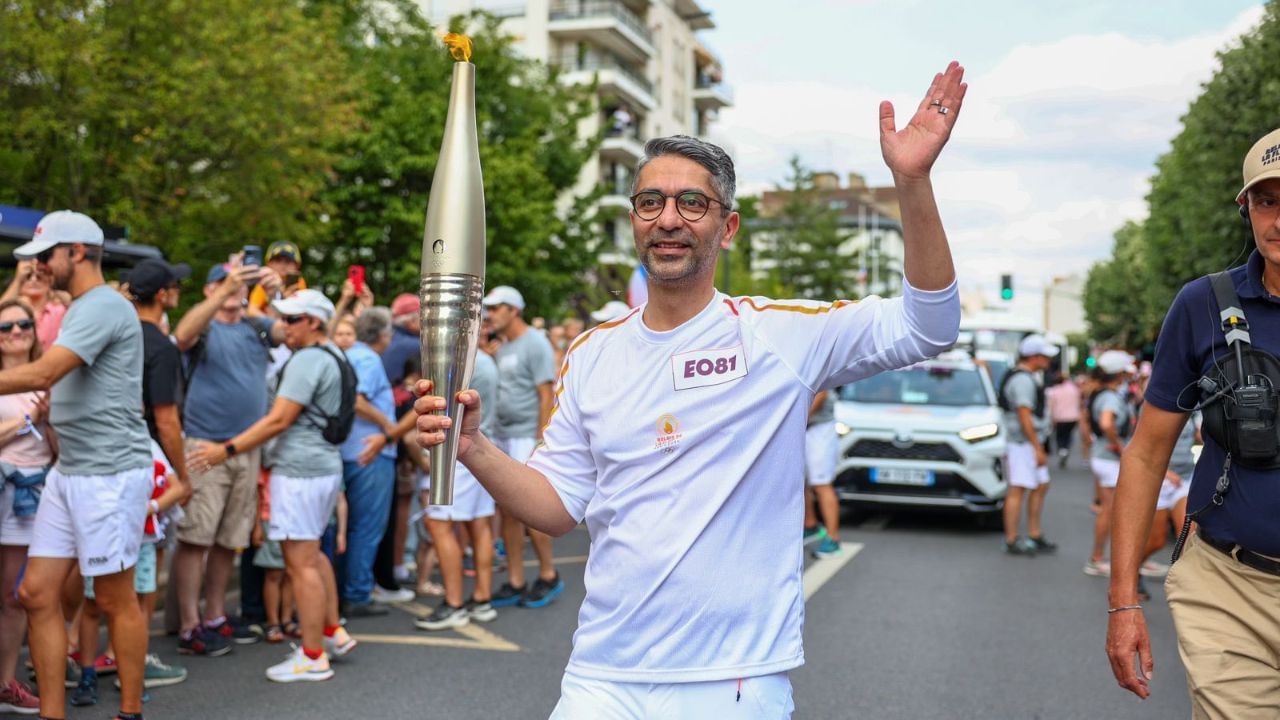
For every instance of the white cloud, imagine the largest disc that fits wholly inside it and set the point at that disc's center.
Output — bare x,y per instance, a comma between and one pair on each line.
1051,156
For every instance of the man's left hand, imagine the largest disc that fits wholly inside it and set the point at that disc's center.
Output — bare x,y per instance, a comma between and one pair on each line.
270,281
911,151
373,445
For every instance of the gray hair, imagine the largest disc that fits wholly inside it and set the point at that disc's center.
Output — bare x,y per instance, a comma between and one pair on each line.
712,157
372,324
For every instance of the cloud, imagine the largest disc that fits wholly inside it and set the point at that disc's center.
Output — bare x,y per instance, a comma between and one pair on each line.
1053,152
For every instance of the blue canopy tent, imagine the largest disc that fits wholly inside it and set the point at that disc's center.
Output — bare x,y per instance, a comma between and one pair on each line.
17,224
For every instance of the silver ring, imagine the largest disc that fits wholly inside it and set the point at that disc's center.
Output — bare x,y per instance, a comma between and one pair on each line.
943,109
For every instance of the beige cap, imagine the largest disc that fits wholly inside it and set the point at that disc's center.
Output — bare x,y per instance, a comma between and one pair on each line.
1262,162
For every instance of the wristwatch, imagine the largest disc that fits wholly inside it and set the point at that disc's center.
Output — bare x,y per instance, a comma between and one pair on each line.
230,447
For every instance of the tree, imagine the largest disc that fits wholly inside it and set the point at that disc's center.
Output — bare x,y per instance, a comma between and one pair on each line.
529,149
198,126
1122,306
804,239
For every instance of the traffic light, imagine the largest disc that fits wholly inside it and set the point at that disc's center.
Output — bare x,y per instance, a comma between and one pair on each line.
1006,287
1091,362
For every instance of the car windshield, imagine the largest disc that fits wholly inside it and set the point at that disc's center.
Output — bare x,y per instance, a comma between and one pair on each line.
920,386
998,368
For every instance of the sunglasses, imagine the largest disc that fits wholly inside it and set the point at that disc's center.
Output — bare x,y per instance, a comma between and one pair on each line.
294,319
7,327
45,255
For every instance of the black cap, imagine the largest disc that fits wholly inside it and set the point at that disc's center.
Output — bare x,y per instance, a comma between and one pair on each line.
153,275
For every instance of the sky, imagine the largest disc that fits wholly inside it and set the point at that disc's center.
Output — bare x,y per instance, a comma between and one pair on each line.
1069,107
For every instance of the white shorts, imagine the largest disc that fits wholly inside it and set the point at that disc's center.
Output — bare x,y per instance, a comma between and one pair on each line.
518,449
767,697
1020,466
1170,495
301,507
96,518
470,499
821,453
15,530
1106,471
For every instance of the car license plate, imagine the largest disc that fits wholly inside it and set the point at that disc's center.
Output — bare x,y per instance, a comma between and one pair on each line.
901,476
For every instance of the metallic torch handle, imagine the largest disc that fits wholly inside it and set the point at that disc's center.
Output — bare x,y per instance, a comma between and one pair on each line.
450,331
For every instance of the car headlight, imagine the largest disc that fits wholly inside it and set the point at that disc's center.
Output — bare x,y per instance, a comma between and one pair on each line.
842,429
980,432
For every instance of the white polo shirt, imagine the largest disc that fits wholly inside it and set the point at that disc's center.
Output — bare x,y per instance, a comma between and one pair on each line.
684,452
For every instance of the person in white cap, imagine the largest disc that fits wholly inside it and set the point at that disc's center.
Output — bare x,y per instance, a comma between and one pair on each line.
526,371
1026,463
1222,590
610,311
678,433
1111,418
94,503
306,476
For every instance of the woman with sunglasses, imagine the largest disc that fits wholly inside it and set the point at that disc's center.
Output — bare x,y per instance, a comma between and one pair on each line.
47,306
27,449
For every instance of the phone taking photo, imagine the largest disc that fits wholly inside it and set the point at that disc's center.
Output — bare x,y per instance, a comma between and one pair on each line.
251,256
355,273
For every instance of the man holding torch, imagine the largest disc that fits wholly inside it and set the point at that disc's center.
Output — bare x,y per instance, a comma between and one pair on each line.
676,432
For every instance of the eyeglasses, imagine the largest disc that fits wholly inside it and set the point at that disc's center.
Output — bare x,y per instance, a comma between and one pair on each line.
294,319
691,205
7,327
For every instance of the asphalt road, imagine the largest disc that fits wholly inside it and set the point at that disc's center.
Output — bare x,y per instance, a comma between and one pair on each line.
923,618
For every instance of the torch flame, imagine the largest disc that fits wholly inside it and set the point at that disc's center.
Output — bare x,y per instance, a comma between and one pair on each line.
667,427
459,46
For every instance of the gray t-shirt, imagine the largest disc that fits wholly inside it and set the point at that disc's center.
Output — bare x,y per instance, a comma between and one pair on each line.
826,412
1021,391
484,380
523,365
228,388
96,408
311,379
1181,460
1108,401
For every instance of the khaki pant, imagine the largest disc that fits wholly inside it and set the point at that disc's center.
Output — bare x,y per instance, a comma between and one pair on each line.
224,503
1227,615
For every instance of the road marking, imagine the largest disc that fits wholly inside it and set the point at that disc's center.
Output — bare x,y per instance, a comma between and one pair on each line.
473,636
823,570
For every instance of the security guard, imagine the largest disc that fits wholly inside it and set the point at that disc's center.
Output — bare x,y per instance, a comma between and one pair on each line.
1222,591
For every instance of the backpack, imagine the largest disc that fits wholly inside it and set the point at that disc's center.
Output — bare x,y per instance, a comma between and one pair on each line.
335,428
1095,423
195,355
1003,399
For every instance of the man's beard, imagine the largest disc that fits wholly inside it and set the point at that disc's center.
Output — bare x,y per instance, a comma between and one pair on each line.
60,282
662,271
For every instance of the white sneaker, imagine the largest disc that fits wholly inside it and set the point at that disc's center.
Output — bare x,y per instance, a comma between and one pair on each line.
340,644
384,596
481,611
444,617
1097,568
1151,568
300,668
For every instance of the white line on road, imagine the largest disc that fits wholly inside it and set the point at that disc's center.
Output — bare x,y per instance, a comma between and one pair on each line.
823,570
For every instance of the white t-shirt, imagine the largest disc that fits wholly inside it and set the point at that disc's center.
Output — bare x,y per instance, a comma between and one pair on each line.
684,452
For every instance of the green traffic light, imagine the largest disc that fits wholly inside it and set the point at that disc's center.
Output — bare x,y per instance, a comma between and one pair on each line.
1006,293
1091,362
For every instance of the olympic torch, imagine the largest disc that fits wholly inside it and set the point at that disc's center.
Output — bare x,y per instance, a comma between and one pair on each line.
453,249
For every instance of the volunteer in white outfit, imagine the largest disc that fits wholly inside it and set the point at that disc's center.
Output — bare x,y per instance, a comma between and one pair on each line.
1112,420
95,498
677,431
1026,461
821,456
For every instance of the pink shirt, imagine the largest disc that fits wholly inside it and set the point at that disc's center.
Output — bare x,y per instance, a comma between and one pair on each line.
24,451
1064,401
49,322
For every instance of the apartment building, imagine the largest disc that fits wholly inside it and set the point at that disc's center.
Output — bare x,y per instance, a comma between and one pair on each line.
656,76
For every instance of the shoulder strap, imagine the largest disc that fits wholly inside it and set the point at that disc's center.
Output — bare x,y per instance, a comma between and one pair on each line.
1234,325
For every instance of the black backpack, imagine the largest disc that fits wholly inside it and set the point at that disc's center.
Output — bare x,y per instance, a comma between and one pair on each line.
1095,423
1003,399
335,428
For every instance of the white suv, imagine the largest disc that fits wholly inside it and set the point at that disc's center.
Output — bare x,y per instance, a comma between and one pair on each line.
929,435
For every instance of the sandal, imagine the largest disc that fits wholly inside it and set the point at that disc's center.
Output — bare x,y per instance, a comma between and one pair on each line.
293,630
431,588
275,634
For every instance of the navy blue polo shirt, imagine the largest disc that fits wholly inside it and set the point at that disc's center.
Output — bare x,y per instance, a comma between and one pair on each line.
1189,341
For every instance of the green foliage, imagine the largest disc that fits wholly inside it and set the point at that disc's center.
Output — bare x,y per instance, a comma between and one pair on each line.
1192,228
804,239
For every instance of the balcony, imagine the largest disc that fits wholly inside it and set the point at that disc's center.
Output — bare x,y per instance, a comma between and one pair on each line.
615,77
616,179
623,142
711,94
606,23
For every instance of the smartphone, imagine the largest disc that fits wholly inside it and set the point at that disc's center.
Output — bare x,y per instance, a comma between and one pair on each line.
251,256
355,273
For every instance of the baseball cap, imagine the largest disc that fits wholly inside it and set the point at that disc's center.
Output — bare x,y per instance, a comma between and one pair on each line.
305,302
1113,362
405,304
504,295
1262,162
217,273
153,275
61,227
1036,345
285,249
612,310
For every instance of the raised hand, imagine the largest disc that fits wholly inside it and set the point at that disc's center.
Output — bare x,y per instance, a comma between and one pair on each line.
911,151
